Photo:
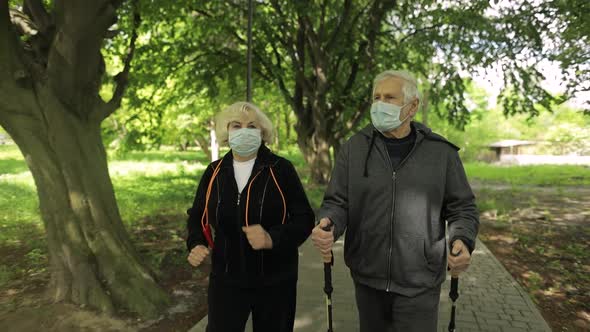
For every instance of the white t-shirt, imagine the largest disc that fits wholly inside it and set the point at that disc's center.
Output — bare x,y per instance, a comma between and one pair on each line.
242,171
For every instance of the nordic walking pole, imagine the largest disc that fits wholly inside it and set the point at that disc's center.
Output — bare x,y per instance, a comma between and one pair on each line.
454,295
328,283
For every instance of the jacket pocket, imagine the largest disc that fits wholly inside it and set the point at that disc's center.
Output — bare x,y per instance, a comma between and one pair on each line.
435,254
410,266
367,254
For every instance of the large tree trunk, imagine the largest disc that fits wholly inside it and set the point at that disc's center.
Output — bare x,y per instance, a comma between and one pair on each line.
313,141
92,260
316,151
50,105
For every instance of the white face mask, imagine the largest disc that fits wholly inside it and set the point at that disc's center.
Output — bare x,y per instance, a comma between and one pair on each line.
245,141
385,116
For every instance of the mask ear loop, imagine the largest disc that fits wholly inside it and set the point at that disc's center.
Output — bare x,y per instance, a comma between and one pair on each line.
280,191
406,104
205,217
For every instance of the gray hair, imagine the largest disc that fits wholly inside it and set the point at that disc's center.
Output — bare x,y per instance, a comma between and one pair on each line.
233,112
409,88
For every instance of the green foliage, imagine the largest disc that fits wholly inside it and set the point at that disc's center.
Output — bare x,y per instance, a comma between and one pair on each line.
191,61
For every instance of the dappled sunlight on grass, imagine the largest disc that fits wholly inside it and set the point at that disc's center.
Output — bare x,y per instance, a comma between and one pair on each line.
142,188
152,168
140,196
19,206
10,152
168,156
12,166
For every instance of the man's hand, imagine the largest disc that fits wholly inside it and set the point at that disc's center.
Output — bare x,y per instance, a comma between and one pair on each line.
324,240
197,255
258,237
459,259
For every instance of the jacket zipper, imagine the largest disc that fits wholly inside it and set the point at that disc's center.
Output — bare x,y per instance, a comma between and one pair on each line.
260,222
392,221
238,224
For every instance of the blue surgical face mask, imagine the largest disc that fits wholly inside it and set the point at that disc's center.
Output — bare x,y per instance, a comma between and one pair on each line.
385,116
245,141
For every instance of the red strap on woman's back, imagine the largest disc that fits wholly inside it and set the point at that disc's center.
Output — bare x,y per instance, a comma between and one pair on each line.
205,217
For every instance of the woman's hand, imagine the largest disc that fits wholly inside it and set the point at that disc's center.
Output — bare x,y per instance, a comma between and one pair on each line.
258,237
197,255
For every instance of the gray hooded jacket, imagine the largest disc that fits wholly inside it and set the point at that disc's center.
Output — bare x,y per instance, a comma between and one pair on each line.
395,218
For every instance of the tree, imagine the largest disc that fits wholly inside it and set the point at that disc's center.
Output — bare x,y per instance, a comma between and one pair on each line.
51,70
569,32
322,55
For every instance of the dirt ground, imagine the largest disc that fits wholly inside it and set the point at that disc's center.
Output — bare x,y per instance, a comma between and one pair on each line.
159,239
542,237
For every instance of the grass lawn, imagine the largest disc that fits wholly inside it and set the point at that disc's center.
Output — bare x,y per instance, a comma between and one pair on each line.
534,175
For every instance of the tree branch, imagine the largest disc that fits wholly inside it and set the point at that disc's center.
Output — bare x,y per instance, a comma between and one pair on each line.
6,40
23,23
322,29
353,70
353,24
12,69
416,32
281,82
278,74
36,10
343,20
122,78
75,64
287,41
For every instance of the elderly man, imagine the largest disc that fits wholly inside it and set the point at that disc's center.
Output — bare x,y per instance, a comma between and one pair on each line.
393,186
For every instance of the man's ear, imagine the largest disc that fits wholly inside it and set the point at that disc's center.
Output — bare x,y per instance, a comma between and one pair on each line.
415,107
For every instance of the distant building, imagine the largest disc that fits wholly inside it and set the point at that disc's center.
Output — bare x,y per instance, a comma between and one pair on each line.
516,152
509,147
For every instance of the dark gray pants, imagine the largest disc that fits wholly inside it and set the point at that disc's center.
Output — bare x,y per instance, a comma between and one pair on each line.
390,312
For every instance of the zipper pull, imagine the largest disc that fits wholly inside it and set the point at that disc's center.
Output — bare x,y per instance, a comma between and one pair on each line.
239,194
393,176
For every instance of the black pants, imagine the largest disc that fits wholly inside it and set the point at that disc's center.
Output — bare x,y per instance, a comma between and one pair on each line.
273,308
390,312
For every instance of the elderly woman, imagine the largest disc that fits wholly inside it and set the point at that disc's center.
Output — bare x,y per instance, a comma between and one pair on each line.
254,203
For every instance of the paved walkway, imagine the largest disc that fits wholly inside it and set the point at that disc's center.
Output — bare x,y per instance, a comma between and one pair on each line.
489,300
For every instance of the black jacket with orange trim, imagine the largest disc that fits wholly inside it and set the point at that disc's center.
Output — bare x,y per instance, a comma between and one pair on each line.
233,259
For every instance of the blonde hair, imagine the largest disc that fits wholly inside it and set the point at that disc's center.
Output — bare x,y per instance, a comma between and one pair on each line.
233,113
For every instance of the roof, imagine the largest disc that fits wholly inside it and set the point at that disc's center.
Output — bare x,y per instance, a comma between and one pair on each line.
510,142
